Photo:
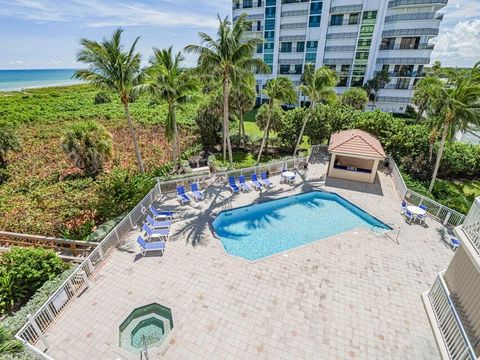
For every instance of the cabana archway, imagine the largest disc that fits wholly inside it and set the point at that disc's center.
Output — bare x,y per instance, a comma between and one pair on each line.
355,155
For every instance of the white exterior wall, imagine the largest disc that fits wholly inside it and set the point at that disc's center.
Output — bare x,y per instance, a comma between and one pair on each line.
418,20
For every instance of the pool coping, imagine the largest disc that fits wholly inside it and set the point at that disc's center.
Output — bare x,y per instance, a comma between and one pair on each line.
283,253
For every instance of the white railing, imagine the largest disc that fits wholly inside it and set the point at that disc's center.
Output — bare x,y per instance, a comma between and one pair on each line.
38,323
439,212
471,225
449,323
33,331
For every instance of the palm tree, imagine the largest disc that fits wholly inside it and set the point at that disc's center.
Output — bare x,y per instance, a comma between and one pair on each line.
242,99
427,92
114,69
88,145
436,67
319,86
461,111
166,80
277,90
379,81
229,58
273,117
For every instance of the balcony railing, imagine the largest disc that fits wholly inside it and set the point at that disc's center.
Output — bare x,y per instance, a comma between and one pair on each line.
340,48
395,3
398,86
403,47
471,226
410,32
448,322
346,8
417,16
407,74
403,60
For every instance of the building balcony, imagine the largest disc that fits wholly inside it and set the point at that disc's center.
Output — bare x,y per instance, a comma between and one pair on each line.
403,61
399,3
345,22
452,302
398,86
413,17
346,8
410,32
403,47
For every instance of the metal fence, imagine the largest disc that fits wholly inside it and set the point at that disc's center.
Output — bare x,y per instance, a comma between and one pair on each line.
471,225
32,333
439,212
454,335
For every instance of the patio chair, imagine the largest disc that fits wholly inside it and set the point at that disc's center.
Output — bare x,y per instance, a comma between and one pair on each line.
409,216
161,214
265,180
233,186
182,195
256,184
404,207
150,246
197,194
157,224
243,185
421,218
454,243
423,207
156,233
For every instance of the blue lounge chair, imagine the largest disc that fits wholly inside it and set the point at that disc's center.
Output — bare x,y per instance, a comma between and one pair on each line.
409,216
404,206
182,195
150,246
243,185
197,194
423,207
265,180
158,224
454,243
233,186
161,214
256,184
159,233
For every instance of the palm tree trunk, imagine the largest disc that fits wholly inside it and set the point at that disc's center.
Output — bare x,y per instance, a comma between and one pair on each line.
446,126
134,138
265,133
304,125
242,130
226,132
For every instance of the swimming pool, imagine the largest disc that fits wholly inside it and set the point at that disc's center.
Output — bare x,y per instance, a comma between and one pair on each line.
256,231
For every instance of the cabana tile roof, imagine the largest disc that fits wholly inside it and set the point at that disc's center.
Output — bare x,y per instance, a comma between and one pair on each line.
356,142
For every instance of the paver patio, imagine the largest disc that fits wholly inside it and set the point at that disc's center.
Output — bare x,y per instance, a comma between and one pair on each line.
352,296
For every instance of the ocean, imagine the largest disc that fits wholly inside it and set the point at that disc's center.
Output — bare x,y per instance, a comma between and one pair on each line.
11,80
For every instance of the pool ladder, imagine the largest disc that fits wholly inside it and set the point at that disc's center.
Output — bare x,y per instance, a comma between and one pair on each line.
144,352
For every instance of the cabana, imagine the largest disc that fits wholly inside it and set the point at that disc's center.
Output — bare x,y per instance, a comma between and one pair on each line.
355,155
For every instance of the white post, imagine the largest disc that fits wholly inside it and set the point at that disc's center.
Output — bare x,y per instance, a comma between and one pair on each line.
33,323
445,222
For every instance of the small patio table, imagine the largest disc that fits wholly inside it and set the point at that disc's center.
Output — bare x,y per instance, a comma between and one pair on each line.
416,210
288,175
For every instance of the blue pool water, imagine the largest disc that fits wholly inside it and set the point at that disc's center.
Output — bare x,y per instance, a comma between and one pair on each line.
260,230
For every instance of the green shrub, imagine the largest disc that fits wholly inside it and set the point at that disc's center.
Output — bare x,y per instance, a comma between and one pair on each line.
8,345
119,192
23,271
291,127
356,98
102,98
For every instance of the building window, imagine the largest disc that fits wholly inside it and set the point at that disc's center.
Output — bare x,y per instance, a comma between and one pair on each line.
247,3
409,43
312,45
367,30
336,20
357,81
268,48
310,57
403,83
270,13
284,69
259,3
361,55
387,44
269,35
354,19
268,58
286,47
259,26
271,2
269,24
301,46
298,69
316,8
369,15
259,48
342,81
345,69
314,21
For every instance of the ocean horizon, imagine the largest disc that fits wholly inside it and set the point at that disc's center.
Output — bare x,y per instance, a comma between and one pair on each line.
16,80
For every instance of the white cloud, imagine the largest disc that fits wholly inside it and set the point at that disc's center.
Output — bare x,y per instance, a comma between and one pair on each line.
458,46
16,62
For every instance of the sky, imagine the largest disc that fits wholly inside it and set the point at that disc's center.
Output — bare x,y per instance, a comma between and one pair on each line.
39,34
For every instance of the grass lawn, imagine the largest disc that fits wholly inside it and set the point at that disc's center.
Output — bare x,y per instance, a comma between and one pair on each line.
251,128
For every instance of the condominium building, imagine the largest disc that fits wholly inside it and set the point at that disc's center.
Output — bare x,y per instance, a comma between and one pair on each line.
356,38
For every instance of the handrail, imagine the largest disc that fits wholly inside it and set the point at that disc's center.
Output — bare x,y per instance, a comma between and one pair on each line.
471,225
444,311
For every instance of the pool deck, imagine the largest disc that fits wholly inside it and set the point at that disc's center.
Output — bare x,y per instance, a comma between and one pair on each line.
352,296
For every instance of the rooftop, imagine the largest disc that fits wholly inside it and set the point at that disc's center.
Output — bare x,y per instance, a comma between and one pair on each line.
352,296
356,142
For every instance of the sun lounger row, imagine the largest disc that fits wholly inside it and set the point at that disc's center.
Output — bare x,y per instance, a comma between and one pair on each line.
195,192
156,230
255,183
